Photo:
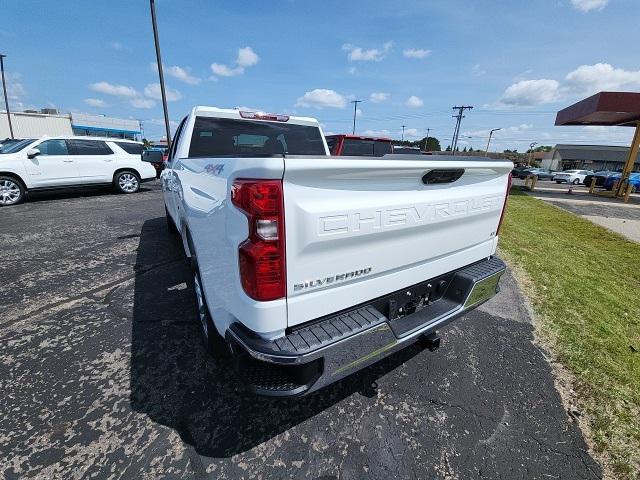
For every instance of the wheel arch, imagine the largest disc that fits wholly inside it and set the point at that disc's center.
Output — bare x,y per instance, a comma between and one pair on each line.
126,169
15,176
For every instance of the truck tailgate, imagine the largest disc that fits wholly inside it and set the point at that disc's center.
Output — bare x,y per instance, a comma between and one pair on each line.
358,228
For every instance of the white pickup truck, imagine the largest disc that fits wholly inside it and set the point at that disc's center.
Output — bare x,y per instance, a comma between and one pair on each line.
307,267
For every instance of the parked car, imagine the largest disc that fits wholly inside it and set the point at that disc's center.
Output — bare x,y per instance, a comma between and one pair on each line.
65,162
634,180
307,269
159,166
355,145
541,173
600,176
399,149
572,176
518,170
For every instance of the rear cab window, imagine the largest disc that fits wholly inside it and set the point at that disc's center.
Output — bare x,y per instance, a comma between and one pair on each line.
213,136
359,147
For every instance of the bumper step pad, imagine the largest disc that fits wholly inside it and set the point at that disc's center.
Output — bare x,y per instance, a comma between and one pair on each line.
323,351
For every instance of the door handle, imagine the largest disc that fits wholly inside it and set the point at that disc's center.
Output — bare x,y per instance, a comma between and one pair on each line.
67,161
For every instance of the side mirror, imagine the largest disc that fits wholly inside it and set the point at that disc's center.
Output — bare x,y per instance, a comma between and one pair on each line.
33,153
152,156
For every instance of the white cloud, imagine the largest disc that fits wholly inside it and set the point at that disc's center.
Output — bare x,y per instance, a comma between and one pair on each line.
377,97
416,53
246,58
117,46
142,103
530,92
160,121
414,102
114,90
520,128
359,112
583,81
503,132
589,79
411,133
152,90
322,98
182,74
15,89
352,70
588,5
95,102
358,54
377,133
477,70
225,71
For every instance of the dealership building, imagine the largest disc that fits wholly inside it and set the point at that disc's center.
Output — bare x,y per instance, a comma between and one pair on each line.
35,124
588,157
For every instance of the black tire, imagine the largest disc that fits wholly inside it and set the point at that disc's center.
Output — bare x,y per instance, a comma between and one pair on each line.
126,182
171,225
213,341
12,191
558,182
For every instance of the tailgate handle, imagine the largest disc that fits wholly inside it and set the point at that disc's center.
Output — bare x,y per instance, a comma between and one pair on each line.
442,176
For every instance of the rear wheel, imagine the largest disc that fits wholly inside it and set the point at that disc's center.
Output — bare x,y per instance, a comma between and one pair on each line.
11,191
213,341
576,181
127,182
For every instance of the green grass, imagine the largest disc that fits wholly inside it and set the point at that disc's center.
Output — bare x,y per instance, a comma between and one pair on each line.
584,284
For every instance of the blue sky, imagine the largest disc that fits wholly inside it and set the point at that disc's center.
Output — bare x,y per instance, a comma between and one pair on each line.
516,62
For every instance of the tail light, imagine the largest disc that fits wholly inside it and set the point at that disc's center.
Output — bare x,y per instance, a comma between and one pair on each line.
262,260
504,206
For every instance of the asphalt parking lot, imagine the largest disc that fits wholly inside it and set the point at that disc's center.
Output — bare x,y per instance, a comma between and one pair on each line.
103,374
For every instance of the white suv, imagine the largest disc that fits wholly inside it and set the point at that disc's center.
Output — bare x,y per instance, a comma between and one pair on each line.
64,162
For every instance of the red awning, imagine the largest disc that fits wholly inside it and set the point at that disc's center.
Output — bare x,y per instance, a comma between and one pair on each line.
605,108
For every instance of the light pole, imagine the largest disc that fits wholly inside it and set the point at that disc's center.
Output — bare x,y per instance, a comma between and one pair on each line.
531,145
159,60
355,110
426,140
403,133
486,152
6,99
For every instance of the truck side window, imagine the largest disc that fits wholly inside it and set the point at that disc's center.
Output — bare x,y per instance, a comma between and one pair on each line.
176,139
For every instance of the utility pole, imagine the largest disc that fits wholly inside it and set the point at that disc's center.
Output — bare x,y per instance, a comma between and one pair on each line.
531,145
403,133
6,99
458,117
160,73
426,140
355,110
486,152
